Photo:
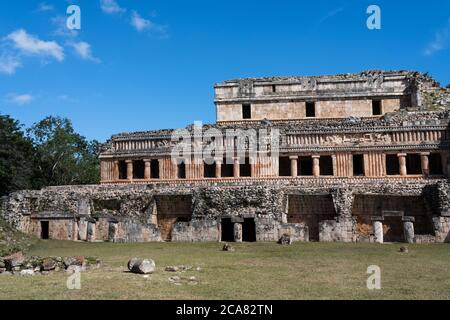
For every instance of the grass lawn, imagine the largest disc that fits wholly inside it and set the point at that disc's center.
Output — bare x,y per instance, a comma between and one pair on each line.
253,271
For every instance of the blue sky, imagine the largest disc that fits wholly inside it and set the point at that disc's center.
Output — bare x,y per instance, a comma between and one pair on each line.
142,65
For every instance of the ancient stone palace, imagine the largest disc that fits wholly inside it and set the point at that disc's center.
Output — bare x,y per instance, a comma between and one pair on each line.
351,157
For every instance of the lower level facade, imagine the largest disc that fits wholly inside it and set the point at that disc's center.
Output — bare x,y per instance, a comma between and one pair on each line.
318,209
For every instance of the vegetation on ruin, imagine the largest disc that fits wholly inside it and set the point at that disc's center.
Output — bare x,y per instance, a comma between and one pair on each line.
12,241
48,153
254,271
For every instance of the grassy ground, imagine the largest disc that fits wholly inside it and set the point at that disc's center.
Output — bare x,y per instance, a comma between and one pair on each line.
253,271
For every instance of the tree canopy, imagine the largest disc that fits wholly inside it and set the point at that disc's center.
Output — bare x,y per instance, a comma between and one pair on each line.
49,153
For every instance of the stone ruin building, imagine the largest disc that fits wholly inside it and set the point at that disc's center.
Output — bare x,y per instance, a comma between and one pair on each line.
362,157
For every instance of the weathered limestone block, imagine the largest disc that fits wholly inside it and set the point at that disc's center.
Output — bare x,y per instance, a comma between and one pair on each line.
134,231
82,229
408,229
337,230
112,231
442,229
343,201
296,231
378,231
266,230
91,228
196,230
84,207
141,266
237,232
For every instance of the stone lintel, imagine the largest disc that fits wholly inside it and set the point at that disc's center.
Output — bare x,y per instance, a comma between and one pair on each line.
377,218
392,213
53,215
408,219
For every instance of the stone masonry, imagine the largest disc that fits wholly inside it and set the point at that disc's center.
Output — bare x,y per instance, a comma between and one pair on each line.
361,158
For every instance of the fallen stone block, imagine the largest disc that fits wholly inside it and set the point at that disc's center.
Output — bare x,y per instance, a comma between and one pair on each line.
142,266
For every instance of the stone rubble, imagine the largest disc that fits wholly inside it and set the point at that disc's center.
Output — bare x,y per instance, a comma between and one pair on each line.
19,264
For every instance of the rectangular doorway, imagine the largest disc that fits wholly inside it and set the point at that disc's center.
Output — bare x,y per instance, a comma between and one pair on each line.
249,230
44,230
227,230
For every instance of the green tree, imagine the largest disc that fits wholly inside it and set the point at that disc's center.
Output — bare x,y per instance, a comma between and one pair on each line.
17,160
64,157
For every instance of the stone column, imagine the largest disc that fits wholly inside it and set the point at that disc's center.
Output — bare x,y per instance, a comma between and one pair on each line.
236,167
129,169
116,170
402,163
238,232
75,230
316,165
252,162
218,168
147,170
82,229
408,229
91,228
378,229
425,163
294,160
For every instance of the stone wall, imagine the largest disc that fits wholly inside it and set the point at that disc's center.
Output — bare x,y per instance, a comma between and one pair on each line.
131,213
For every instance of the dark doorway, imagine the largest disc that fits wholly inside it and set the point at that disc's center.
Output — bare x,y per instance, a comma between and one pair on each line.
227,168
246,111
326,166
249,230
44,230
245,168
138,169
284,167
227,230
376,107
358,165
393,227
154,167
122,170
209,170
305,166
392,165
310,109
435,163
413,164
181,171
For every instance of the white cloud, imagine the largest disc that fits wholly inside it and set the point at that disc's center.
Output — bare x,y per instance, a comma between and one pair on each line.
20,99
111,6
141,24
440,41
9,64
31,45
83,50
45,7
